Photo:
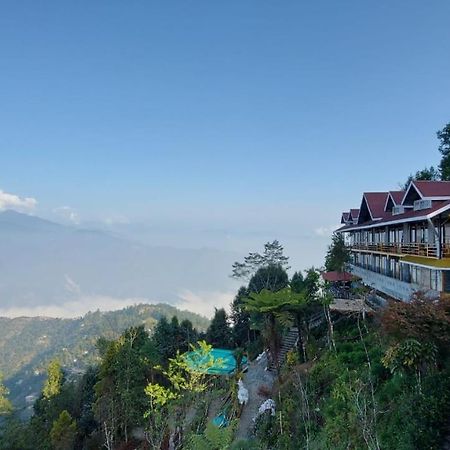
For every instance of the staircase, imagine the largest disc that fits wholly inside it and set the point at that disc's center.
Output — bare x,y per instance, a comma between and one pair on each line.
290,340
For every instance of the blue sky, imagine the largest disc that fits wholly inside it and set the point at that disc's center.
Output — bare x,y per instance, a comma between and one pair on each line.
219,123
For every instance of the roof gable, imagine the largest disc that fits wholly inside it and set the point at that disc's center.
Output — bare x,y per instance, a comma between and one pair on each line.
354,214
345,217
372,206
411,194
393,198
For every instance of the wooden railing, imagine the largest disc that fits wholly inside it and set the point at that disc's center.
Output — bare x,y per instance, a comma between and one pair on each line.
414,248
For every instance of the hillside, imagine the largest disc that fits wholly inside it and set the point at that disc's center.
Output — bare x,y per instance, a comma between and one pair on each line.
28,343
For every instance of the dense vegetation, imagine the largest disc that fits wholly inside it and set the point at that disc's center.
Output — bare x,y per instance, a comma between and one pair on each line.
28,344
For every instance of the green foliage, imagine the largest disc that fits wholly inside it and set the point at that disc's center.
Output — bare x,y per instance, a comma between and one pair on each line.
5,404
410,356
272,278
270,302
63,432
55,377
338,254
219,332
297,282
427,174
444,148
214,438
240,318
272,256
350,400
28,344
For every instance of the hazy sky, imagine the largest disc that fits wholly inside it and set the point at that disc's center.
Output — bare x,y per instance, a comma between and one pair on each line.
218,123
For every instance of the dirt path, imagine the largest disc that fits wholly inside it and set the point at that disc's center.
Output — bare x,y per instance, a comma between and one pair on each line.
255,377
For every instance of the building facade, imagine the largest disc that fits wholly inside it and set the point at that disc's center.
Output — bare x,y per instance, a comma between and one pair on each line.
400,240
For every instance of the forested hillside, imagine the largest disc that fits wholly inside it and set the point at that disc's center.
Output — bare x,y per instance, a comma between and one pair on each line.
27,344
356,378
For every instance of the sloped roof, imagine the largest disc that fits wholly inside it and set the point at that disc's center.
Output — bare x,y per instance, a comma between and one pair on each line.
375,202
433,188
354,213
397,196
345,217
408,216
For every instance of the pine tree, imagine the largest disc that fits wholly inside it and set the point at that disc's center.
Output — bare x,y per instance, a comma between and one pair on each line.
219,332
240,318
63,432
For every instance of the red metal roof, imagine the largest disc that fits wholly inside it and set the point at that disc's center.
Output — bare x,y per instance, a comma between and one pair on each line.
335,276
408,215
376,202
433,188
397,196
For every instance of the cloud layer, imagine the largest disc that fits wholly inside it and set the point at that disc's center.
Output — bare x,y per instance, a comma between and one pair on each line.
203,303
13,201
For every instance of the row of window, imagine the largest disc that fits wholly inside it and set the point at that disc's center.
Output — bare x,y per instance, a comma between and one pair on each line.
391,267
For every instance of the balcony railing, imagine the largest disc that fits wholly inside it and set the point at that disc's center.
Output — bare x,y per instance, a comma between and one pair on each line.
414,248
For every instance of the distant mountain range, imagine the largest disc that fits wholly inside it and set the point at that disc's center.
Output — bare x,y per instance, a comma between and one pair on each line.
64,270
27,344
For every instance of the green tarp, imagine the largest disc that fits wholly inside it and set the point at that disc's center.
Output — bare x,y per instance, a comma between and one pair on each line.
218,362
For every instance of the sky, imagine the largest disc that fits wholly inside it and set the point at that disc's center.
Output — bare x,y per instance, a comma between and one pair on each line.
220,124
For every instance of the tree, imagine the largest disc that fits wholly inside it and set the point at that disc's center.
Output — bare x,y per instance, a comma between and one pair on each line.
219,332
427,174
271,305
272,256
63,432
444,148
5,404
181,380
423,319
120,404
240,318
55,379
297,282
338,254
164,339
271,277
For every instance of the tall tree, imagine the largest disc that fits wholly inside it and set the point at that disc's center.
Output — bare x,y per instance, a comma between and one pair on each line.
338,255
63,432
240,318
122,377
444,147
297,282
219,332
273,255
5,404
271,277
55,379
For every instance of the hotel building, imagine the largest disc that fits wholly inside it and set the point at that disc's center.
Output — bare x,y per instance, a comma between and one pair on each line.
400,240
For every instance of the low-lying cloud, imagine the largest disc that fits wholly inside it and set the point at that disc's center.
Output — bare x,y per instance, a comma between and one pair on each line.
12,201
203,303
75,308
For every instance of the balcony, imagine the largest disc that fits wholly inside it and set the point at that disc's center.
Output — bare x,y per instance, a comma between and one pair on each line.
414,248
